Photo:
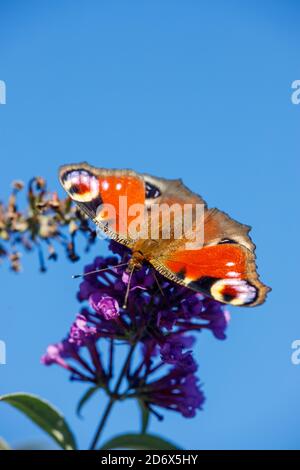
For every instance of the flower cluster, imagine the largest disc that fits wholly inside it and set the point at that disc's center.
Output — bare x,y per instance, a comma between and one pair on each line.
158,319
48,221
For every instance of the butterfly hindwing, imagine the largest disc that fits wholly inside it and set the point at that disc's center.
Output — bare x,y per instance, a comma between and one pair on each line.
225,272
223,267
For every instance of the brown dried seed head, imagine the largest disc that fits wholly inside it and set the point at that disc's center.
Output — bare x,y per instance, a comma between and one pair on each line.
18,185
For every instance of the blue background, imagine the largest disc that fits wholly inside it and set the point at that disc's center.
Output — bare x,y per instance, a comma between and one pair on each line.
193,89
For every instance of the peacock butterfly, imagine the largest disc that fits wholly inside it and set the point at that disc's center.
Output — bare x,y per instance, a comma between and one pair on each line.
222,266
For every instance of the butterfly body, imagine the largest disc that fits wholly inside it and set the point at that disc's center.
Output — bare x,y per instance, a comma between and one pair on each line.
159,220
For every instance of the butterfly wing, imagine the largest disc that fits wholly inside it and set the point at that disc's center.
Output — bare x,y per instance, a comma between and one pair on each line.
223,268
225,272
98,191
92,188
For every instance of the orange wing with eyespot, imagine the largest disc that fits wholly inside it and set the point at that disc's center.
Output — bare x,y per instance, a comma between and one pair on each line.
223,267
105,196
225,272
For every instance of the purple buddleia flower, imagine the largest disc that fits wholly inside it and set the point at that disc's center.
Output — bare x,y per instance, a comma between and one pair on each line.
159,318
178,390
172,352
62,354
68,353
104,305
57,353
80,332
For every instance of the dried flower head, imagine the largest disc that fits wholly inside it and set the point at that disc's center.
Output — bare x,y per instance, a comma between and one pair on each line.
46,222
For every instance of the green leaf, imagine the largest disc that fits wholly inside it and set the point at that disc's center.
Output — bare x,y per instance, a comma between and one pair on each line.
4,445
44,415
84,399
145,416
139,441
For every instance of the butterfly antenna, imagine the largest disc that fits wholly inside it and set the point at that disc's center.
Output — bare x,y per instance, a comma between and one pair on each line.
128,288
76,276
158,284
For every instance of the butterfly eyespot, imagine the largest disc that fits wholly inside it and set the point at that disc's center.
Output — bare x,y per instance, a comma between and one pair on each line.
82,185
234,291
151,191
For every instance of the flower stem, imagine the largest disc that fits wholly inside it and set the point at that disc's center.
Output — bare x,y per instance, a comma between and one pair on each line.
112,398
102,423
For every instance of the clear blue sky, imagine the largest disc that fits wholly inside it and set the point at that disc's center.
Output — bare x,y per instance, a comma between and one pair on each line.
193,89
